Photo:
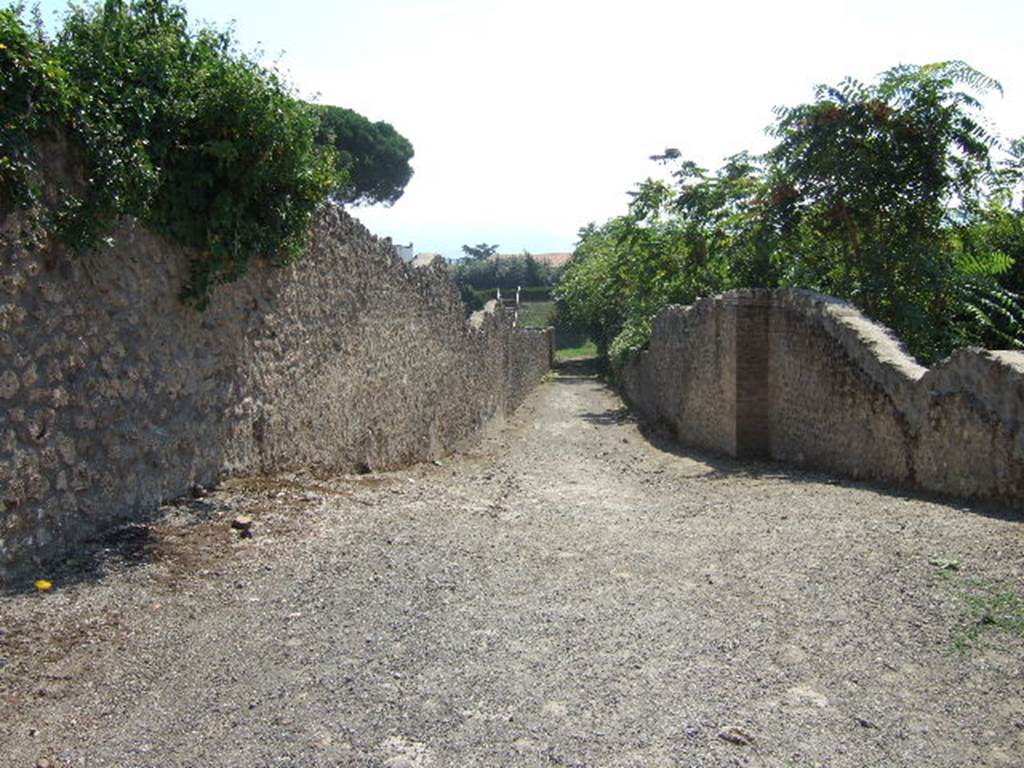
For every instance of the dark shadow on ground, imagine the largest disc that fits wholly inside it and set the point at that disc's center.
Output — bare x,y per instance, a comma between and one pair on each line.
579,369
138,541
611,416
663,438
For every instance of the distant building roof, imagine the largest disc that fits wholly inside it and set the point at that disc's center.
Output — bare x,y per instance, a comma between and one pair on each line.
404,251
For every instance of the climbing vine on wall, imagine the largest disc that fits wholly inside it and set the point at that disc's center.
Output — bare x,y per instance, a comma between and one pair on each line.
173,126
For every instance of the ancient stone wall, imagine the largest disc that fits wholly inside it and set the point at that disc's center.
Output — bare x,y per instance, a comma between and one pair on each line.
802,378
687,375
532,351
115,397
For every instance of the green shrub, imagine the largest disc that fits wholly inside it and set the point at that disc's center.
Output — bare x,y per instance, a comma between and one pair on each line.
506,272
630,342
196,140
177,128
35,101
481,295
536,314
471,299
535,293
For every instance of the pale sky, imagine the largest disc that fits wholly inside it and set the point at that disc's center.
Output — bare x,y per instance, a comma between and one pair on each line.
531,118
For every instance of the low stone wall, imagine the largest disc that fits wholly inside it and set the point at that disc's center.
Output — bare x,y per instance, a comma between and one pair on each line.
532,351
802,378
115,397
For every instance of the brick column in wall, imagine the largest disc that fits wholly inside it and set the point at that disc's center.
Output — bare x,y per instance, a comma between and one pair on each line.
753,393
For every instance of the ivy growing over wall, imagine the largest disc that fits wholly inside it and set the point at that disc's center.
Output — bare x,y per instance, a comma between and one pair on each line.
173,126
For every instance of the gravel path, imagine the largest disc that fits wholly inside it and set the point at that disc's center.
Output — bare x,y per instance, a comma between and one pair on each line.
569,593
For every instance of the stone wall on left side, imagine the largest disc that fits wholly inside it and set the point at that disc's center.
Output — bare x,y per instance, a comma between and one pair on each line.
531,354
116,397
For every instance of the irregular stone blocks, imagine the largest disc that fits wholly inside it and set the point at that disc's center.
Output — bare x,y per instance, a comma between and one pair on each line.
795,376
115,397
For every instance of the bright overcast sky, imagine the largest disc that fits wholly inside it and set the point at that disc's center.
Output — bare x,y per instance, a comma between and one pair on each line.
531,118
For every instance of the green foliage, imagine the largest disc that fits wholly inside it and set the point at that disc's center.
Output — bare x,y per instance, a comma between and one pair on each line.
471,299
872,173
177,128
625,271
587,348
507,272
196,140
530,294
885,195
631,340
538,292
373,157
35,97
479,252
992,608
995,228
536,314
589,288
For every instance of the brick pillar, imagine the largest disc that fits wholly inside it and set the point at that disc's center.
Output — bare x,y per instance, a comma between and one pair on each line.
753,391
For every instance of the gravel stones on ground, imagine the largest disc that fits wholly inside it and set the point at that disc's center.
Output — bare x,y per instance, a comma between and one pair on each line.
554,596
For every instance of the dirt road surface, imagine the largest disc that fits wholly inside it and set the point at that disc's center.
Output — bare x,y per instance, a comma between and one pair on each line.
570,593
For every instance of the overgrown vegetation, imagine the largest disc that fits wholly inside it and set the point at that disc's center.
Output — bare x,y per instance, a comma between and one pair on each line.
894,196
176,127
565,352
483,272
488,271
536,314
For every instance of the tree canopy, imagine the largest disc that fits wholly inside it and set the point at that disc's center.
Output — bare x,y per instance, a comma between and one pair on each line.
505,272
372,157
480,251
893,195
173,125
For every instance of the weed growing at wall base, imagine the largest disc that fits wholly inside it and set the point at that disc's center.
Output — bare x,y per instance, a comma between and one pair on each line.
992,608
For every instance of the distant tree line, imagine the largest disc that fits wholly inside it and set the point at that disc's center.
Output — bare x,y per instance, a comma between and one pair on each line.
505,272
482,271
895,196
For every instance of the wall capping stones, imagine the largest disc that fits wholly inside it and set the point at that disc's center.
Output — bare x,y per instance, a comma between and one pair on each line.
114,397
796,376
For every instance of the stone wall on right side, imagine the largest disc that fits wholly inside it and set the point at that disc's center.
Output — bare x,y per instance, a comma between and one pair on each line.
686,378
834,404
802,378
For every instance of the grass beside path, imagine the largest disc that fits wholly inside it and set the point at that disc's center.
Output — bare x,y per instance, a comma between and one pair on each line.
569,344
536,314
586,349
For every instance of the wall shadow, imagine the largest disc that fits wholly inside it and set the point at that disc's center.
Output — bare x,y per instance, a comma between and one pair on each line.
663,438
579,369
141,538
